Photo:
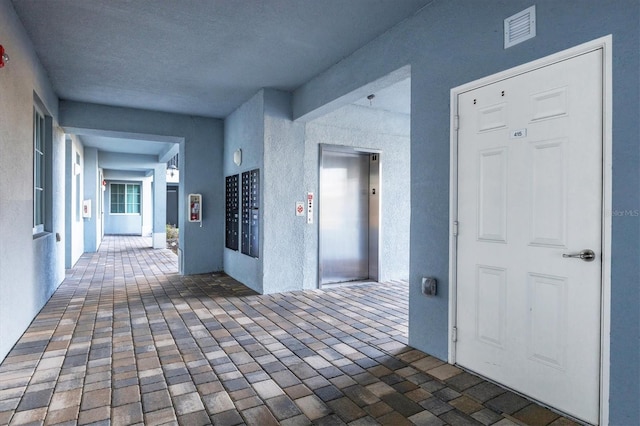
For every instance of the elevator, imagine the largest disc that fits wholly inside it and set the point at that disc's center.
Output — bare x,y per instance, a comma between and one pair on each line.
349,209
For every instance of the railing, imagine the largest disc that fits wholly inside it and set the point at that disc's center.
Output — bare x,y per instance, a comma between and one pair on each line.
173,163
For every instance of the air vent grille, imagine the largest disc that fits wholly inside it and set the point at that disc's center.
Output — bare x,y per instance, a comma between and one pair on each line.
520,27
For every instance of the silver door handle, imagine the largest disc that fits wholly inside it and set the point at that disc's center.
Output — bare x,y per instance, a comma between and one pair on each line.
587,255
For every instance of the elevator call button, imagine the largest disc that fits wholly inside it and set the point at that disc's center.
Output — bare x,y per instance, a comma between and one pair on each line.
310,207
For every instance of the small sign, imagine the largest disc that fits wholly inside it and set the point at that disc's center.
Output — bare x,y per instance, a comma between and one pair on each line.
519,133
299,208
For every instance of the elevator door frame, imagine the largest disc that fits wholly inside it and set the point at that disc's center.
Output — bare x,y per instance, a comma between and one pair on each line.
374,204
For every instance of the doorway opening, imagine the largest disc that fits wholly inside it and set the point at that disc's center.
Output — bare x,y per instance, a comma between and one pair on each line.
530,303
349,215
115,186
361,144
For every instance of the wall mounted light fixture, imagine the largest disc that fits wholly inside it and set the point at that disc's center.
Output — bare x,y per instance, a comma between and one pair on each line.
237,157
172,170
4,58
370,97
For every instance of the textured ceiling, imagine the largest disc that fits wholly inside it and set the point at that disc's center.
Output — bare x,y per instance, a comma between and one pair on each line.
127,146
200,57
394,98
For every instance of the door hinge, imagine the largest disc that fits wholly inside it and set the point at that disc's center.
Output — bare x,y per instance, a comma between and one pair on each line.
456,122
454,334
455,228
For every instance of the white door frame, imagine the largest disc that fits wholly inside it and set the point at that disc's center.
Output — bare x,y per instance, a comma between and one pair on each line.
604,43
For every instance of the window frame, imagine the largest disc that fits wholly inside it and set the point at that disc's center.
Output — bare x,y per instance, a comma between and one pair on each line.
125,201
39,171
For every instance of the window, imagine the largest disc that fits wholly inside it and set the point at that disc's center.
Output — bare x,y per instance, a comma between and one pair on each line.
125,198
42,168
39,170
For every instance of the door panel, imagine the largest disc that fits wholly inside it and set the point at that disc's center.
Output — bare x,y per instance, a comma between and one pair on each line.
492,195
529,191
172,205
547,175
546,322
344,217
491,289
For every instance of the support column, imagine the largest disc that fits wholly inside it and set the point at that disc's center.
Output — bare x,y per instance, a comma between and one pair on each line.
159,206
92,190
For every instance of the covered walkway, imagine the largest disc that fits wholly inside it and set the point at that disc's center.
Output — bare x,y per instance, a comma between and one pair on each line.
126,340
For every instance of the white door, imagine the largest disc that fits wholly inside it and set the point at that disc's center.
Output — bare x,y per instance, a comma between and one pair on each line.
529,192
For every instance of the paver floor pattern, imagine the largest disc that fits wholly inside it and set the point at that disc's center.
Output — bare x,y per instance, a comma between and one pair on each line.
126,340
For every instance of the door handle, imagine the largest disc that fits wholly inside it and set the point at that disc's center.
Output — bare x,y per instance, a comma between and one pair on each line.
587,255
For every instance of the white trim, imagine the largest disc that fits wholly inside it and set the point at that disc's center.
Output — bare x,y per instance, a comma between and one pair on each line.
605,44
453,217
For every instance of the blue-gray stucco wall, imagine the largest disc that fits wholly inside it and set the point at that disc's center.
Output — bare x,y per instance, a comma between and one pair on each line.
449,43
31,267
244,130
270,141
283,243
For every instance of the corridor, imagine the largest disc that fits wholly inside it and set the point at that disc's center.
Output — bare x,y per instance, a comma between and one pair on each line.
126,340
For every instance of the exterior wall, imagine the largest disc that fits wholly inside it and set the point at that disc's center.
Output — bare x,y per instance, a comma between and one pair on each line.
244,129
31,267
378,130
271,142
283,241
449,43
120,223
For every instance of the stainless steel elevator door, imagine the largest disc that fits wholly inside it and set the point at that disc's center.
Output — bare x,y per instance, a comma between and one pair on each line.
344,216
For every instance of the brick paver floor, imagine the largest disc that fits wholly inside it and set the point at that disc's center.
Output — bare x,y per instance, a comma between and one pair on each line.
126,340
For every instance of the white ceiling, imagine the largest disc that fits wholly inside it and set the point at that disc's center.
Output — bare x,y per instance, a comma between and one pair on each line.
200,57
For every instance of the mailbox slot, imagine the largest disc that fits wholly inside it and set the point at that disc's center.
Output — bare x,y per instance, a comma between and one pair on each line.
232,223
251,212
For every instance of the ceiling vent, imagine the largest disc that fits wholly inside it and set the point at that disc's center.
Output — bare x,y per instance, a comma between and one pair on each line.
520,27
